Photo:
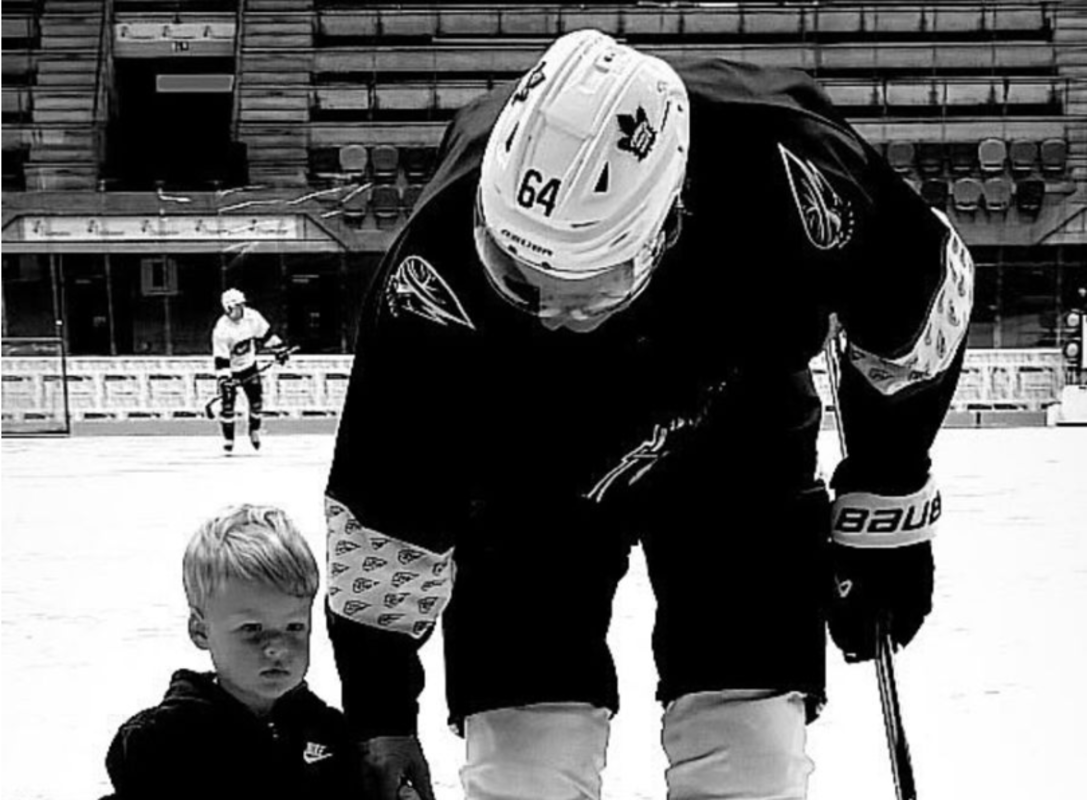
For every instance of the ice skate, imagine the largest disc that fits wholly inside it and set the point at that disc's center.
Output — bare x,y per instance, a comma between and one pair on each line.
254,439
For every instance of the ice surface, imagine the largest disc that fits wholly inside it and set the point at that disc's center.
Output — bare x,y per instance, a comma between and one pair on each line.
93,618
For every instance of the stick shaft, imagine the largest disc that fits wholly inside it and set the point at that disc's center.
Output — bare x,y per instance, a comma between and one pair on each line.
897,745
899,748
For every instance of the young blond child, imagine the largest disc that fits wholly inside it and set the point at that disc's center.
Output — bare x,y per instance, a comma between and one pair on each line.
251,728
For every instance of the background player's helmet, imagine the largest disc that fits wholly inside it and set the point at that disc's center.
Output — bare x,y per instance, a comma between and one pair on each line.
582,171
231,298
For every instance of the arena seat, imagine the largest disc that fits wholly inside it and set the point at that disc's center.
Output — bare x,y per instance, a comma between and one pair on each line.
418,163
1023,155
930,158
385,203
353,158
1029,195
934,192
411,196
967,193
992,153
1054,155
385,161
900,155
962,157
324,161
354,207
998,193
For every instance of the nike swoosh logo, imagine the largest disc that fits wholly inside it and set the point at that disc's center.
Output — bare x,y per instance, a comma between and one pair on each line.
313,758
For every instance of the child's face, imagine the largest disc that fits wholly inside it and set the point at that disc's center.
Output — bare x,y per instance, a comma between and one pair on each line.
258,638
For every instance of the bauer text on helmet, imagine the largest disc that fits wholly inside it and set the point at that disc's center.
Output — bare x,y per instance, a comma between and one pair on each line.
582,171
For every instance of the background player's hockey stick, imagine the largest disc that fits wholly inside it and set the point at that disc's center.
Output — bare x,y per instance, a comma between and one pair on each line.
210,414
901,766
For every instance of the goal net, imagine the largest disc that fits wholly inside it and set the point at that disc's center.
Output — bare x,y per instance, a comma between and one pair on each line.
35,399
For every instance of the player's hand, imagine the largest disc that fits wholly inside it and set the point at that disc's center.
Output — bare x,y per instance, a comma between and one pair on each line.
394,768
225,384
870,584
282,354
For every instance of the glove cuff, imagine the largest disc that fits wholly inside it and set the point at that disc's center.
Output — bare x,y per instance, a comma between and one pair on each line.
865,520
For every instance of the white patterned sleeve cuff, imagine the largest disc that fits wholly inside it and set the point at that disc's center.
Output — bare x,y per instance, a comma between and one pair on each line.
376,580
941,333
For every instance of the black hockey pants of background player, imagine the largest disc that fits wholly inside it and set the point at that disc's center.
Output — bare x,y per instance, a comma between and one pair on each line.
250,383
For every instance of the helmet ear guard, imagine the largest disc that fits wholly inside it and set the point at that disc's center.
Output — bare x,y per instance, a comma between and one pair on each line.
582,177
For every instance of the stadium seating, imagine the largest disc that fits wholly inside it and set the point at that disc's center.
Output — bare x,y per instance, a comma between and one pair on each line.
934,192
900,155
324,162
992,155
385,163
930,158
1054,156
411,196
967,193
418,163
998,193
962,157
354,207
1029,195
385,203
1023,155
952,91
353,159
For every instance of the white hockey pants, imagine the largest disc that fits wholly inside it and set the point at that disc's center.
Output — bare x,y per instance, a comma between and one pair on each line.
727,745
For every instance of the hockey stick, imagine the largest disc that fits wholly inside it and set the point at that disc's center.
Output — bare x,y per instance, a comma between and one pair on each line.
898,747
255,376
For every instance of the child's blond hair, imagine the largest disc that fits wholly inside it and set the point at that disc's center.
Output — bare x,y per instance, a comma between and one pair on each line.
248,542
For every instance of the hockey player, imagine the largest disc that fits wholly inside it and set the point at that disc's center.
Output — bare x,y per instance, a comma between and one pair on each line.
234,342
595,329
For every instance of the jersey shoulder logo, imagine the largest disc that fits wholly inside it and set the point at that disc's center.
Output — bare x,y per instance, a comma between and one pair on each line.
417,288
826,217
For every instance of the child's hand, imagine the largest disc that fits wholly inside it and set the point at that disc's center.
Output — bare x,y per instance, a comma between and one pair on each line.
407,792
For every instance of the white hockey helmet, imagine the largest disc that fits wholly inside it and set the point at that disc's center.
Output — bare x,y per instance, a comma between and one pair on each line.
231,298
582,170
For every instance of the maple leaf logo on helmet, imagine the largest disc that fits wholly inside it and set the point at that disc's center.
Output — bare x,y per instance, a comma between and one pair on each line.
532,80
639,134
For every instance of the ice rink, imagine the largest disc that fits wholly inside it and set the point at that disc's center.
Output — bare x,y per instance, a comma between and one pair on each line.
992,690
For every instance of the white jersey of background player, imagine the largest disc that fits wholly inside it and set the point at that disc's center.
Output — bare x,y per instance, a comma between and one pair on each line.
234,341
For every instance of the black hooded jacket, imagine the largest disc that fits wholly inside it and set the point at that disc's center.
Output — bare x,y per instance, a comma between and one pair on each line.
200,742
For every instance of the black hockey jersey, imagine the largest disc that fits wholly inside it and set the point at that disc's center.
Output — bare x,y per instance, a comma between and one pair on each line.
459,402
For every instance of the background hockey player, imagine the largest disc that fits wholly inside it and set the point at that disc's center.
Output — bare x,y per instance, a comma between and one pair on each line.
596,329
239,332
